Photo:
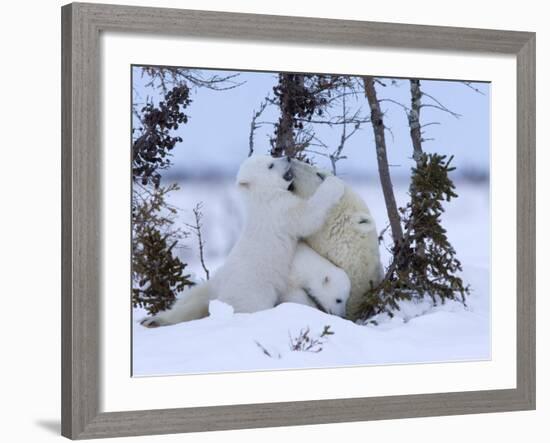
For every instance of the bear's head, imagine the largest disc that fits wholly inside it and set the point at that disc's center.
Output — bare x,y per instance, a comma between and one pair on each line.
265,174
307,178
326,285
330,292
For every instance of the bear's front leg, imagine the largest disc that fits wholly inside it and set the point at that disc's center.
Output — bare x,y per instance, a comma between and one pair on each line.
310,215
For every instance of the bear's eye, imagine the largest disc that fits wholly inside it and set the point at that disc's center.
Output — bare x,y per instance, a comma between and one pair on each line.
326,280
271,165
338,300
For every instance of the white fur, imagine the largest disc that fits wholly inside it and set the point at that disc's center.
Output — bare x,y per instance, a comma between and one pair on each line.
256,271
315,281
348,239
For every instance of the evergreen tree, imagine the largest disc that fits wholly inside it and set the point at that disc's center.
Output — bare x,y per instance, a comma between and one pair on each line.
157,274
151,148
424,263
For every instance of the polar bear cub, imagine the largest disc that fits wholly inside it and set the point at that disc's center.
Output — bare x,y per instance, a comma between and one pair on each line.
316,282
348,238
256,271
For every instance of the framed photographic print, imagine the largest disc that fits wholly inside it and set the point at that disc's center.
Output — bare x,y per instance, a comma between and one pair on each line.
273,221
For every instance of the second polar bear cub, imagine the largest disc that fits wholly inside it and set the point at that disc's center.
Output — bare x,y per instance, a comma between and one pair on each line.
316,282
255,273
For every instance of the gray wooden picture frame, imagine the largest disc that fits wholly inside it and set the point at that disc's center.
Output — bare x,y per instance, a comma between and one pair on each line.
81,207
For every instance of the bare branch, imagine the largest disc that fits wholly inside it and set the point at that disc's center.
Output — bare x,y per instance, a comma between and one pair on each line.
166,76
305,342
197,229
439,105
395,102
255,125
336,98
319,142
382,232
336,155
454,114
430,124
313,151
389,129
265,351
469,85
344,120
303,140
336,121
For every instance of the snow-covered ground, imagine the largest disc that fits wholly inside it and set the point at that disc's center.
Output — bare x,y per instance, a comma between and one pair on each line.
418,333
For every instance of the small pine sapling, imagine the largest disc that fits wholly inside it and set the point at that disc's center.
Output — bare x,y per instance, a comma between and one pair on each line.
157,274
160,273
424,263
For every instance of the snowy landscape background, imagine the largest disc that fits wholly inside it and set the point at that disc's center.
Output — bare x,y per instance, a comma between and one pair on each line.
215,142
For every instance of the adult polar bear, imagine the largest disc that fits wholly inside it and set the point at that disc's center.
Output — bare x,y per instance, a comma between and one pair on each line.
256,272
348,239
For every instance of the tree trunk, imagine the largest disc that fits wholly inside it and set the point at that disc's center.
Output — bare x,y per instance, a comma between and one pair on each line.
416,137
414,119
382,158
285,143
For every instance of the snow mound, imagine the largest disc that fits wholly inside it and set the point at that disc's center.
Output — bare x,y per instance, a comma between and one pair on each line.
220,310
227,341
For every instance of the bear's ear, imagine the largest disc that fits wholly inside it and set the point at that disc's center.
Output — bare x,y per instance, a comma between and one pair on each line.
244,184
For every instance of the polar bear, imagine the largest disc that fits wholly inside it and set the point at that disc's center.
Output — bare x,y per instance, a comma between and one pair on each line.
256,271
349,238
316,282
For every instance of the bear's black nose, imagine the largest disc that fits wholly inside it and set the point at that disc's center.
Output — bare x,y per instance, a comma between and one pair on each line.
288,175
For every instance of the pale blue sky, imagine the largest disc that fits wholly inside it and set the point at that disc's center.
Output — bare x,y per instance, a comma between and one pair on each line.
216,136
